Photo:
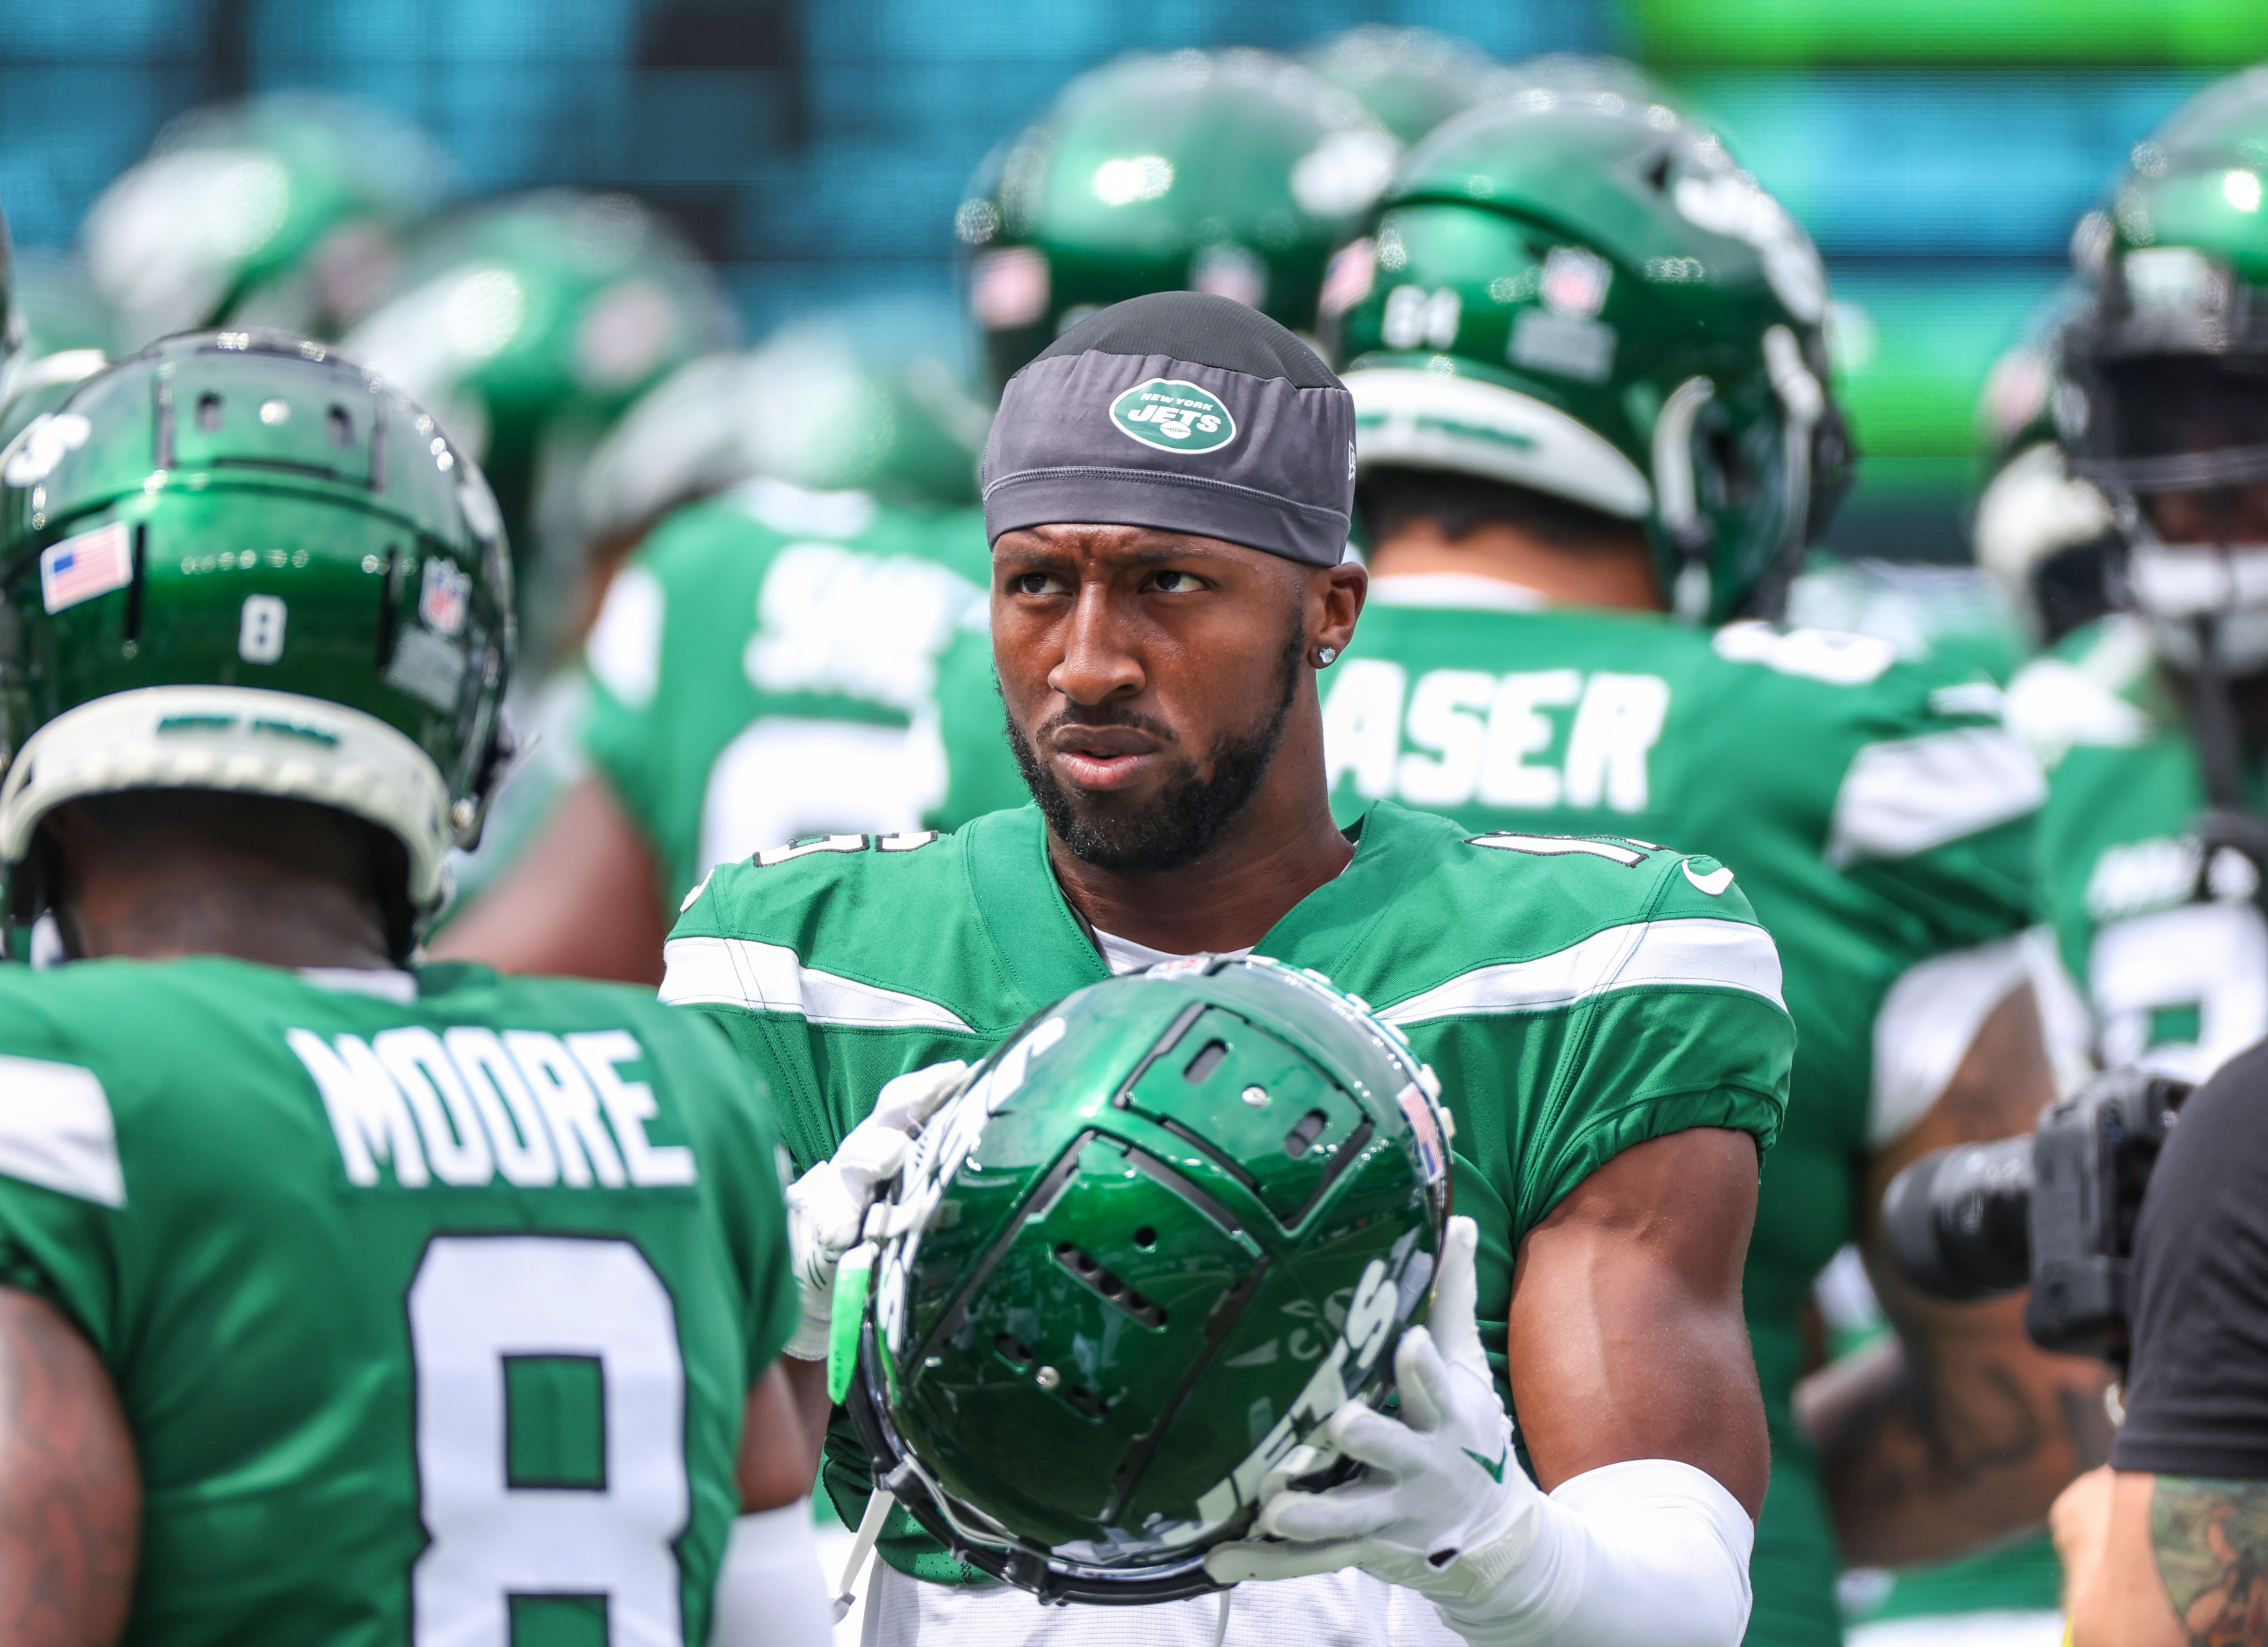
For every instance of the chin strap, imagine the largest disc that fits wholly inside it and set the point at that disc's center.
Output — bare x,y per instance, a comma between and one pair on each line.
1220,1631
879,1505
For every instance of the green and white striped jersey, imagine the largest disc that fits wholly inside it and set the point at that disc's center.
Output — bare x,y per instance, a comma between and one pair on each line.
1577,995
765,667
432,1300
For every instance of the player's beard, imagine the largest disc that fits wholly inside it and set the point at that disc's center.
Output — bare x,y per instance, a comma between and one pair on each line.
1177,825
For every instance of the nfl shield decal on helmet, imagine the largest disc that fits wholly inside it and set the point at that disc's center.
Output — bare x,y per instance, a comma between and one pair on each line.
443,596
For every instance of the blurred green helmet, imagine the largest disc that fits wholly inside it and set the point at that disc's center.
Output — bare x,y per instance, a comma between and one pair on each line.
1585,297
1410,79
2169,354
286,210
237,562
2048,536
812,408
526,330
1235,172
1169,1228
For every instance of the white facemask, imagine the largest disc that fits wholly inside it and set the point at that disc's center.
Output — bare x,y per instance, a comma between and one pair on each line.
2175,585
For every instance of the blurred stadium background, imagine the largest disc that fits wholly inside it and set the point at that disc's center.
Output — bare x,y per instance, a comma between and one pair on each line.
1938,149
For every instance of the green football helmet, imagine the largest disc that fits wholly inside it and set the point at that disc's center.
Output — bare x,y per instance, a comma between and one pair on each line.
1167,1230
526,330
1411,79
2048,536
2169,354
810,407
1235,172
287,211
238,562
1585,296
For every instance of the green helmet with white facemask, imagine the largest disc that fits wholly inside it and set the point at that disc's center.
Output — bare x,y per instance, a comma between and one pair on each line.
287,210
2169,353
1169,1228
1235,172
1584,296
237,562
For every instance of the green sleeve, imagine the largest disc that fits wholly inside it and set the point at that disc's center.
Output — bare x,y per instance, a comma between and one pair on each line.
58,1239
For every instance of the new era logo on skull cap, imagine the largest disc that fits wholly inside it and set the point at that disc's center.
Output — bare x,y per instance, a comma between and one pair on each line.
1173,414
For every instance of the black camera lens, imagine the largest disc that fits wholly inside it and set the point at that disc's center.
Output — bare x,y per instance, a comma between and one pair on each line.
1957,1221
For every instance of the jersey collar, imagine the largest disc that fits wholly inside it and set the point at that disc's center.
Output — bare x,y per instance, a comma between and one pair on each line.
1048,954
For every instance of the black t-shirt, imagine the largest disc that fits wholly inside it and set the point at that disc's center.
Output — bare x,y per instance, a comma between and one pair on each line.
2197,1391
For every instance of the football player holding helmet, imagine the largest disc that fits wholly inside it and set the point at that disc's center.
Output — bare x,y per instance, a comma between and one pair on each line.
1605,1015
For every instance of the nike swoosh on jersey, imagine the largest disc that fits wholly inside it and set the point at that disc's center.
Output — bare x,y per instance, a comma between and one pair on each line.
1496,1470
1713,883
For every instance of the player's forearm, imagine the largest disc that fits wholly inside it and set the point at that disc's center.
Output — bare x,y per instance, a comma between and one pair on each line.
70,1496
1944,1441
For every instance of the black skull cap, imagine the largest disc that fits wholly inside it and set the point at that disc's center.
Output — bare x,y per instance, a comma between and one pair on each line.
1184,412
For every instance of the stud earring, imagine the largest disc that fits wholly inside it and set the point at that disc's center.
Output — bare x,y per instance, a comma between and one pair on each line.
1326,655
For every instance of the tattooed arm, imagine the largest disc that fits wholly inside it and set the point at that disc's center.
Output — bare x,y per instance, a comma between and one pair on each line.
70,1496
2164,1560
1961,1430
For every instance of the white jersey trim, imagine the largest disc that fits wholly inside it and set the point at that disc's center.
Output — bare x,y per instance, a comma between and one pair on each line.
768,978
1928,1022
55,1130
1910,794
1697,951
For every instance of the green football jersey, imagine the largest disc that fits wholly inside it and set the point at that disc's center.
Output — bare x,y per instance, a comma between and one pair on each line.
1576,995
765,667
1878,814
2169,953
433,1313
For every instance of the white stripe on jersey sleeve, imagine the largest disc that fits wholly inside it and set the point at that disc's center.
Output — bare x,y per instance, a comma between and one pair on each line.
1909,795
1718,954
768,978
55,1130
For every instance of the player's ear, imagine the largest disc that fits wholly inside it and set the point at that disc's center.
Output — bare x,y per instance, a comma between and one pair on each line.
1335,595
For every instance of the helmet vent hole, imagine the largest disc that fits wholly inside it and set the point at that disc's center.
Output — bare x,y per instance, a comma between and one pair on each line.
1302,1138
1206,1062
1087,1401
1146,1238
341,425
1114,1290
209,411
1013,1349
1658,174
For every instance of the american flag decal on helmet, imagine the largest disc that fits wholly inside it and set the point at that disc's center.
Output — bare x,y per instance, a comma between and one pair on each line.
81,567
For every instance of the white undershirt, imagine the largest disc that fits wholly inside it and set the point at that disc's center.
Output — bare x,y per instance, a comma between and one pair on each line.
1124,955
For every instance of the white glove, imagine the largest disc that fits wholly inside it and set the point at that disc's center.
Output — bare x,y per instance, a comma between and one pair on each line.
1442,1506
1649,1551
827,1206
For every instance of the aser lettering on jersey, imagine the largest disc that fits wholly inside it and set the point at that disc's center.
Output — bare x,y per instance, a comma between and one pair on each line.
463,1107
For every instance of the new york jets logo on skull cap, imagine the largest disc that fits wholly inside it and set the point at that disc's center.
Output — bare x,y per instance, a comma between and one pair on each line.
1184,412
1173,416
